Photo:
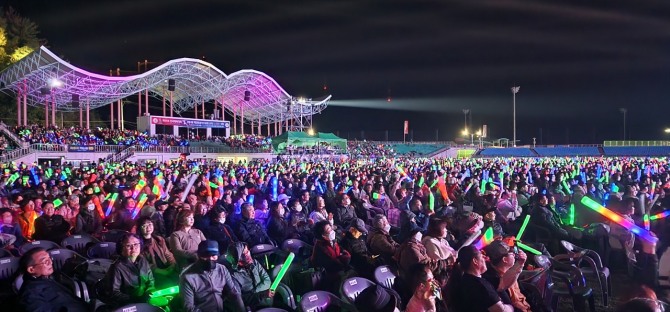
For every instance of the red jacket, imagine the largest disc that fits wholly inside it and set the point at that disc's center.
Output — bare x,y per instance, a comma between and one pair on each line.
330,256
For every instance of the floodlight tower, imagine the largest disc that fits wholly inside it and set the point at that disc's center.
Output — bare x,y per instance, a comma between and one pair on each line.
514,92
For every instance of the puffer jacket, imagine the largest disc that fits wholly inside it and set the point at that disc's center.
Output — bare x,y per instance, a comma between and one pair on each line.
127,282
204,290
382,244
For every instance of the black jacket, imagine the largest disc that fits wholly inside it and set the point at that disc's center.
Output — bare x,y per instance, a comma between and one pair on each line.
52,228
251,232
46,295
221,233
128,282
279,230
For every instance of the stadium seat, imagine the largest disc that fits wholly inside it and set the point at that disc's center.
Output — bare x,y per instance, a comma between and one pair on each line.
271,310
59,256
301,249
352,287
78,243
594,267
8,268
384,276
48,245
113,235
320,301
262,252
138,307
105,250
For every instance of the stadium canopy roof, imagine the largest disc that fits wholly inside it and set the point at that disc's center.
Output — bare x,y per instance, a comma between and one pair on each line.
42,77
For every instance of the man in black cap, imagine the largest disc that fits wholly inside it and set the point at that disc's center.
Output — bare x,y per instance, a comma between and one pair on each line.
157,218
504,267
205,284
354,243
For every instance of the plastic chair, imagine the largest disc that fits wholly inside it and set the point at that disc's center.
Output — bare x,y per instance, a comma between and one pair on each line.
59,256
78,243
574,286
594,267
103,250
113,235
17,283
319,301
298,247
8,267
286,295
48,245
138,307
262,252
384,276
353,286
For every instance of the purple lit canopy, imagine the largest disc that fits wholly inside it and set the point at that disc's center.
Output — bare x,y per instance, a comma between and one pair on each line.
46,77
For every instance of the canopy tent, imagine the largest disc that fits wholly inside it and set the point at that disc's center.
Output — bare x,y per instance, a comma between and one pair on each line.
302,139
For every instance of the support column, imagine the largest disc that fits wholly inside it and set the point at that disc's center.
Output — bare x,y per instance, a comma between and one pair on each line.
195,114
81,116
53,112
163,102
259,125
234,122
18,109
88,114
119,120
25,104
171,105
203,110
242,120
46,111
123,126
268,129
146,100
139,103
111,106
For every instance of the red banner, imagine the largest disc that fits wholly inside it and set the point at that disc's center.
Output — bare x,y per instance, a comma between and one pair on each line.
406,127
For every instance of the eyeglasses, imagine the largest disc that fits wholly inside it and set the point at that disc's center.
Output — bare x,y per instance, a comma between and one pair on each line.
46,261
132,246
146,225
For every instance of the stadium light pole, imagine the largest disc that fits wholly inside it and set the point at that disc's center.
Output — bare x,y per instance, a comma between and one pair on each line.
667,130
514,92
624,111
465,116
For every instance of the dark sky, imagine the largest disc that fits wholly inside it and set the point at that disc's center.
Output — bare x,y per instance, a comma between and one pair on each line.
577,62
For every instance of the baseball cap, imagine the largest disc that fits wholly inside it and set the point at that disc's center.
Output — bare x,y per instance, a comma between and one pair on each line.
496,250
208,248
359,225
282,197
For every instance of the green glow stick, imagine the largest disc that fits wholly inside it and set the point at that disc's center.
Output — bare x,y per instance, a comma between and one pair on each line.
57,202
528,248
282,271
571,221
523,227
421,182
433,184
165,292
431,201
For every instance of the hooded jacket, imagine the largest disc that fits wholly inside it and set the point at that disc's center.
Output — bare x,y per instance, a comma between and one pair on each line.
251,278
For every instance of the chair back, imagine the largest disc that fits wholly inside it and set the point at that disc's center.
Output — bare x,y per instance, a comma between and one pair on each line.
271,310
79,243
59,256
103,250
384,276
138,307
38,244
298,247
543,261
8,267
318,301
353,286
113,235
18,282
261,250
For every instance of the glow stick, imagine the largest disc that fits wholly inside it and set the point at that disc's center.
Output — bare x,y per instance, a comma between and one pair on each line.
485,240
191,180
442,187
653,188
523,227
609,214
57,202
646,222
565,186
468,188
275,184
165,292
98,207
111,204
431,201
138,188
660,215
571,221
282,271
528,248
143,199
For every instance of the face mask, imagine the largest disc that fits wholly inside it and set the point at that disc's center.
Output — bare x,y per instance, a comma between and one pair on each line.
90,207
387,228
298,208
331,236
222,220
207,265
419,236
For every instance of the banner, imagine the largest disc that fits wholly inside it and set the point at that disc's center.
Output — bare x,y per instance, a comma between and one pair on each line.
406,127
80,148
189,122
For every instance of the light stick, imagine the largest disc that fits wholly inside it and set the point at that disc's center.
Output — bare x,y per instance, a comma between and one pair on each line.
647,224
57,202
528,248
138,188
523,227
191,180
170,291
609,214
431,201
282,271
140,203
660,215
571,221
485,240
111,204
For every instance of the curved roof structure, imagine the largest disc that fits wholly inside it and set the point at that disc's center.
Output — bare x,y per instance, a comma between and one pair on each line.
42,76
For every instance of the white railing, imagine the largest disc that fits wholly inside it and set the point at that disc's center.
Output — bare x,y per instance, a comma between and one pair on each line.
12,135
15,154
48,147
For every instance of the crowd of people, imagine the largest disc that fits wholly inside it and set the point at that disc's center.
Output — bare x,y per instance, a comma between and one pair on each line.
194,224
36,134
369,149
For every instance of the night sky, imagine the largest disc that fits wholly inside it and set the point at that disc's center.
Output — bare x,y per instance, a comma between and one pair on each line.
577,62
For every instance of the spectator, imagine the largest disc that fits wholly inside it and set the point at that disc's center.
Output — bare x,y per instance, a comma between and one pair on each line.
50,226
161,260
344,213
424,290
27,218
218,230
184,241
129,279
88,220
249,230
250,276
39,292
380,241
206,284
327,254
10,227
504,268
279,229
435,241
354,243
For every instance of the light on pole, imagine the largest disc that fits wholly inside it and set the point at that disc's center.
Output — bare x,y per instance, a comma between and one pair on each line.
465,116
624,111
514,92
667,130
